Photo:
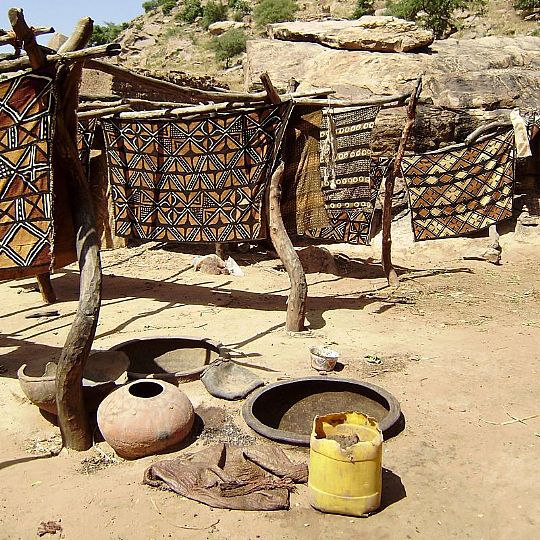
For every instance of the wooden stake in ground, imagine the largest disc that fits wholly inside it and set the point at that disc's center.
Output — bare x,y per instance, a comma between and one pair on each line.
76,433
388,267
296,305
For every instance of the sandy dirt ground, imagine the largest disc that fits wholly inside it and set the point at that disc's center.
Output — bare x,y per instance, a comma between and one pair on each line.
458,343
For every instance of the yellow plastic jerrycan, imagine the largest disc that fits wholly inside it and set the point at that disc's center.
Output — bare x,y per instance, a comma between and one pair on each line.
345,464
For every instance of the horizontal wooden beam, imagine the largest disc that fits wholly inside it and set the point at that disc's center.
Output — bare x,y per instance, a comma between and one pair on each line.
112,49
9,37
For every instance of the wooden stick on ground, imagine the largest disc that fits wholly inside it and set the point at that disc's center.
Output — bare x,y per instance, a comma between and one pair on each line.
76,433
388,267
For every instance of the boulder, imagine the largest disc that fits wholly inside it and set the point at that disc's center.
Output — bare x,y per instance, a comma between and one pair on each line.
369,33
465,83
220,27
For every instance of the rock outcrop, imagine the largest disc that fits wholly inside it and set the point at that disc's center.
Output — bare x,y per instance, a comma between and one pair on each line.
369,33
466,82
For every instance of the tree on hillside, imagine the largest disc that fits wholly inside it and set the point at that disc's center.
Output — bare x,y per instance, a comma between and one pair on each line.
106,33
273,11
229,44
435,14
363,7
165,5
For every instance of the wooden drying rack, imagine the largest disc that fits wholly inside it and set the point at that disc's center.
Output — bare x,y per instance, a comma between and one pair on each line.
184,102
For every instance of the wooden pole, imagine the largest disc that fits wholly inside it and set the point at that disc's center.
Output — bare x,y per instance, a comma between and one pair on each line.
7,38
72,419
25,35
388,267
46,288
24,62
296,304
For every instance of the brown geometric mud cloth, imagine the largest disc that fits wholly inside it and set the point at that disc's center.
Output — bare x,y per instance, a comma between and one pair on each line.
456,192
85,138
347,188
197,180
26,107
302,203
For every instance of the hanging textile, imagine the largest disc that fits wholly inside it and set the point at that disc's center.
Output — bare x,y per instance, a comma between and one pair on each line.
85,138
455,192
26,108
197,180
302,203
347,188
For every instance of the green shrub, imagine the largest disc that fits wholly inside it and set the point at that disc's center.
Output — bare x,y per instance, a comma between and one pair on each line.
106,33
363,7
150,5
229,44
526,5
191,10
213,12
240,9
273,11
165,5
436,14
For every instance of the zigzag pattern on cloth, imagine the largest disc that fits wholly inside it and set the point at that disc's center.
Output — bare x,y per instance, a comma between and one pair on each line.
459,191
197,180
348,189
26,107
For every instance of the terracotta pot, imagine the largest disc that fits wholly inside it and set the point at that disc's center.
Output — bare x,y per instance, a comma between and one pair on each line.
145,417
102,371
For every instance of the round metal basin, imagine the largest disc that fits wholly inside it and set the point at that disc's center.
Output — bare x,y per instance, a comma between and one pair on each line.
284,411
178,359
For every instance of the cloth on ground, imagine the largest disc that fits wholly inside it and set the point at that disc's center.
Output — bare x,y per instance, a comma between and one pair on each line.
225,476
347,188
200,180
302,203
454,192
224,379
26,109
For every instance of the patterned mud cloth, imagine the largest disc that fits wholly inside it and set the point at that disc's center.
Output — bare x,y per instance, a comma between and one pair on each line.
302,203
455,192
197,180
26,107
85,138
349,192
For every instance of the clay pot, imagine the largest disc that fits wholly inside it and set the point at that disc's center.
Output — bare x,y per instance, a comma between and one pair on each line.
102,371
145,417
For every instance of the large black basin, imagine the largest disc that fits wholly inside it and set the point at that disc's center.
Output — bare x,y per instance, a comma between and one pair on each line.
284,411
170,358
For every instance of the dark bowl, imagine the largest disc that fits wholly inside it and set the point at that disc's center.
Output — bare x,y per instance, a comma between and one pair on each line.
284,411
179,359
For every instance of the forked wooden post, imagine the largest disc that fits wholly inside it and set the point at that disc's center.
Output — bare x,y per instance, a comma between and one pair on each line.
296,304
388,267
76,433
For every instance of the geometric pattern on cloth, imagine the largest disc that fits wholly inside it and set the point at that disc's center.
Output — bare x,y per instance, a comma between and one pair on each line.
456,192
354,226
85,138
302,203
348,190
199,180
26,108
